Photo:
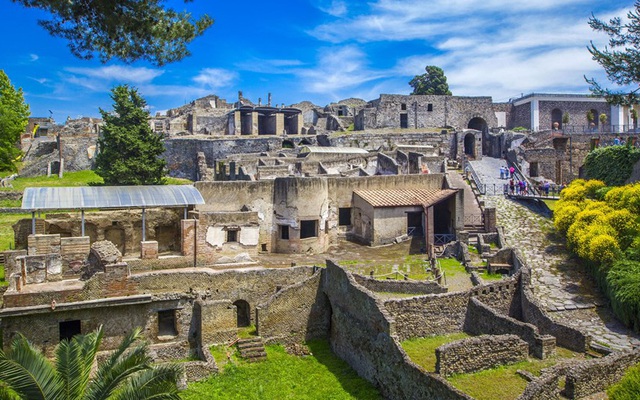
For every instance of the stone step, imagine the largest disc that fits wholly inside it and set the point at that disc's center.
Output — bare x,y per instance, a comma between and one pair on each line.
252,349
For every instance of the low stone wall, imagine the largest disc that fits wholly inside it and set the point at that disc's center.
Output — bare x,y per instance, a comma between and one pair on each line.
363,334
532,312
10,195
479,353
199,370
428,315
161,263
483,320
295,314
396,286
547,386
596,375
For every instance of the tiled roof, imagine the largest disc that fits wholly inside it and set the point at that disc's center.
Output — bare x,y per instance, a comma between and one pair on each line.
404,197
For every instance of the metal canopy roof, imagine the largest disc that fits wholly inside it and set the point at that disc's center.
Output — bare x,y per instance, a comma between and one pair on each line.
332,149
88,197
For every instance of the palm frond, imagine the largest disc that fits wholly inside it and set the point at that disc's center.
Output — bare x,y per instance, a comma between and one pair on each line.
74,360
28,373
158,383
120,365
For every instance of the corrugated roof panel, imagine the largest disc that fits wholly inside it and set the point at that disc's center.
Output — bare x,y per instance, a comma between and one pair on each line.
63,198
331,149
404,197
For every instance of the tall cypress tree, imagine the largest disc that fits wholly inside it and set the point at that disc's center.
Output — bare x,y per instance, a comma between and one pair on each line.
129,151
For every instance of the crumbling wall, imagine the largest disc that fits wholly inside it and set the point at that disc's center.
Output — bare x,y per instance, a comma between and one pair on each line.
423,316
479,353
295,314
363,334
387,165
594,376
396,286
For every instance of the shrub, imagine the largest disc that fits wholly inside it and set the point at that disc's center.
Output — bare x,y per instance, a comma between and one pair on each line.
628,387
593,186
564,216
622,281
574,193
603,249
625,225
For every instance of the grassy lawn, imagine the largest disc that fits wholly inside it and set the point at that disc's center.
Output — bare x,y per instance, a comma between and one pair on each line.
282,376
412,265
452,267
503,383
490,277
78,178
550,203
422,351
500,383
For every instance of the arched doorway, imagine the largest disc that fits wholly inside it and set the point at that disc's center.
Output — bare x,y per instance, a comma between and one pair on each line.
470,144
556,116
243,313
478,124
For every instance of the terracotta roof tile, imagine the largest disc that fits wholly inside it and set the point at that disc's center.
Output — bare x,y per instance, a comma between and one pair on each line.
404,197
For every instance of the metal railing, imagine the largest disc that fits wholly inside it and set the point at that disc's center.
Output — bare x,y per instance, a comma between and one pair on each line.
471,174
474,220
443,238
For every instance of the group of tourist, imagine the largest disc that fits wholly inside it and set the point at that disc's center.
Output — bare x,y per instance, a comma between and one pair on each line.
506,173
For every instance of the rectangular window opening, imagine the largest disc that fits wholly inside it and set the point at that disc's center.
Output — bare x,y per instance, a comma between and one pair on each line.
344,216
232,235
429,107
403,107
68,329
308,229
167,323
284,232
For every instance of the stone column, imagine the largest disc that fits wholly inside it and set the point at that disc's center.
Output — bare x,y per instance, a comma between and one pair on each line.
254,123
187,236
490,219
279,124
535,115
149,250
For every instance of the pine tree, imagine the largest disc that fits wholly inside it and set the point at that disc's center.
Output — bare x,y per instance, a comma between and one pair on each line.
129,151
129,30
433,82
621,59
14,117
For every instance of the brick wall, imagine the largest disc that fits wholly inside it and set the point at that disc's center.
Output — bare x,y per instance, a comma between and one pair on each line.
395,286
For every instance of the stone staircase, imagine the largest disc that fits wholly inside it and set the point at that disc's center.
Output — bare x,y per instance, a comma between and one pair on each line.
252,349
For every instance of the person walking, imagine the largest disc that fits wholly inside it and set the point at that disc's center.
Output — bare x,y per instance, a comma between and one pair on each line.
512,171
501,172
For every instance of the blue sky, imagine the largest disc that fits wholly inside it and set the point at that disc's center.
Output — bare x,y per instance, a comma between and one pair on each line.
324,51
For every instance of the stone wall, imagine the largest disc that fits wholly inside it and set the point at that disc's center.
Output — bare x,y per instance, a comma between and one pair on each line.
396,286
479,353
594,376
532,312
483,320
363,334
423,316
216,322
295,314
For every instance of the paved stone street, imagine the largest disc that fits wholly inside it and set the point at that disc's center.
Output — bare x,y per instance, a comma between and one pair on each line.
562,285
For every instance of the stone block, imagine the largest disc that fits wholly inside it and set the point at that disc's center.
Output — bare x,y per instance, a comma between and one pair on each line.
43,244
11,262
149,250
116,271
187,236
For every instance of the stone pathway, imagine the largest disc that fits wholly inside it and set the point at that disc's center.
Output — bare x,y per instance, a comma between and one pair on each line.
560,282
488,170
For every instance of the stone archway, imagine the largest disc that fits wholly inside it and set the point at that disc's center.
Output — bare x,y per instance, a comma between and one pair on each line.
243,312
479,124
470,144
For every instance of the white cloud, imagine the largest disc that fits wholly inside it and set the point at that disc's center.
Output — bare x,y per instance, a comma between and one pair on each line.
336,8
33,57
117,73
213,78
269,66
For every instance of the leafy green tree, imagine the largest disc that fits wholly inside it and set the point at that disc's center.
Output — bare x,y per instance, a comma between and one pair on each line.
14,117
128,373
621,59
129,151
129,30
433,82
612,164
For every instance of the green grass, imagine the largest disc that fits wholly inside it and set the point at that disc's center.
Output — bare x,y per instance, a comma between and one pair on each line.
10,203
247,332
490,277
282,376
473,249
6,229
629,387
503,383
78,178
422,351
451,267
414,266
550,203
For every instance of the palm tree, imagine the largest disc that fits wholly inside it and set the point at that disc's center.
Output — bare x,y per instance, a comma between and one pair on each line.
25,373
